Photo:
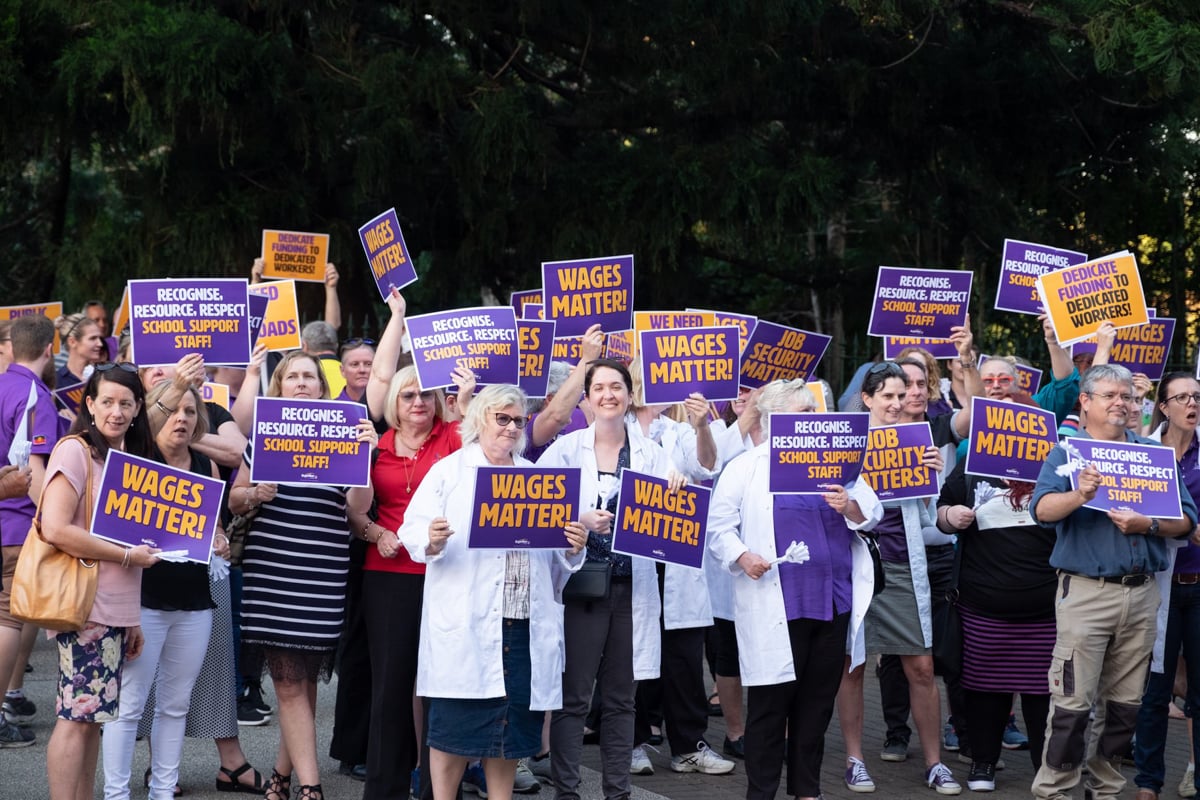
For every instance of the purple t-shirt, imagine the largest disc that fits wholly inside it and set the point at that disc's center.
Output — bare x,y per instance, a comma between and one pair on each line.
1187,559
820,587
893,545
577,423
17,512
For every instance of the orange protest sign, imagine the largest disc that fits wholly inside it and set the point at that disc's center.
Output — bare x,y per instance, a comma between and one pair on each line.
1079,298
52,311
295,255
281,323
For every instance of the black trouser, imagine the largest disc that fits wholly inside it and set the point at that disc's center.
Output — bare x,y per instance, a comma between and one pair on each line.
352,710
681,692
987,716
797,712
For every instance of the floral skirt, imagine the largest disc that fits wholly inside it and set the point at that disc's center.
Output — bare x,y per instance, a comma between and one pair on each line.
89,666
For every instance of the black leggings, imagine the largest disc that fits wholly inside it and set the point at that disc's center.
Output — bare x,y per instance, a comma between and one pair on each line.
987,715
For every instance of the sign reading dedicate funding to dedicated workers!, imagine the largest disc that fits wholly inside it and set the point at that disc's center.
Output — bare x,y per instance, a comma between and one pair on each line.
1139,477
919,302
295,255
811,453
193,315
578,294
1078,299
656,523
307,442
1009,440
523,508
1023,264
894,464
145,502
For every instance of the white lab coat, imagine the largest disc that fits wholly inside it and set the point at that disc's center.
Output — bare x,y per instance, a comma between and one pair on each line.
460,651
741,518
1163,581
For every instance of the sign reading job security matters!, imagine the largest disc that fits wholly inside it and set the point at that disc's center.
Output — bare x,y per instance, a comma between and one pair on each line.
919,302
1140,477
523,507
145,502
586,291
205,316
777,352
894,462
483,340
812,453
290,254
308,442
659,524
386,252
1009,440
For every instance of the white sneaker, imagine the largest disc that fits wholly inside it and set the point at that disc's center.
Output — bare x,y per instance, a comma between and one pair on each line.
639,762
1187,786
703,760
525,782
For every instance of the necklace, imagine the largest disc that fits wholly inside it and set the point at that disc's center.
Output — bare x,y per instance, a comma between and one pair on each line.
405,460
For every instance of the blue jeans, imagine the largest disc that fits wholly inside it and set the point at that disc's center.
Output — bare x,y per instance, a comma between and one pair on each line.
1183,631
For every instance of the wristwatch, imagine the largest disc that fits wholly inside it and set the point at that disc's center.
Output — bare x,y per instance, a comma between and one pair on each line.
1153,529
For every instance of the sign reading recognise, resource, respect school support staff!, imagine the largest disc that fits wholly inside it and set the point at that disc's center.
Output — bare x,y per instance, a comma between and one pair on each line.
811,453
656,523
1139,477
383,243
894,464
1078,299
522,508
308,442
145,502
680,361
777,352
483,340
580,293
535,338
1023,263
1009,440
295,255
919,302
194,315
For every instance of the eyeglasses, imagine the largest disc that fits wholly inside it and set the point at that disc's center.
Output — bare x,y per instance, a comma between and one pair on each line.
1108,397
351,344
503,421
108,366
998,380
1184,397
408,397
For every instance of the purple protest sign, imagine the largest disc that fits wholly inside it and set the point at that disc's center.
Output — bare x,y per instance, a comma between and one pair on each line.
519,300
523,508
938,348
919,302
655,523
1139,477
811,453
1023,263
1009,440
535,339
743,322
69,397
483,340
145,502
679,361
893,463
580,293
257,304
1141,348
568,349
308,442
777,352
533,311
169,318
386,252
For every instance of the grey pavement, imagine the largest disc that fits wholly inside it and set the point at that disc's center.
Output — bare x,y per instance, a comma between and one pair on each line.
23,771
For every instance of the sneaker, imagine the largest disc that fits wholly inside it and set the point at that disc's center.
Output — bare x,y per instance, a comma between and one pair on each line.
735,747
14,736
982,777
964,757
639,762
1187,786
857,777
941,780
525,781
474,781
19,710
705,760
253,695
950,738
540,767
1013,738
414,784
249,716
894,750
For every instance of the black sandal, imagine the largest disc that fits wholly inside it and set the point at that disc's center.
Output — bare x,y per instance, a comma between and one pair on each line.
313,792
146,782
279,787
235,785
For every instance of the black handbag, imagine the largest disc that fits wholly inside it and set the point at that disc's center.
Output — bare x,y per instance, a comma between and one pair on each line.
589,584
877,563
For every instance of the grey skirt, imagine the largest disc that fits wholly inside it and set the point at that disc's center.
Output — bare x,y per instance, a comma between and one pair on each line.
893,626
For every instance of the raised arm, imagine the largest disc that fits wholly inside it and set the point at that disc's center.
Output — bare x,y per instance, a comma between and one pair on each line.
333,306
387,353
557,413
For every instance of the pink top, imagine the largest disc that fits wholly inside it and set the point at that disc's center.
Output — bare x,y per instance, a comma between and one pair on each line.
118,590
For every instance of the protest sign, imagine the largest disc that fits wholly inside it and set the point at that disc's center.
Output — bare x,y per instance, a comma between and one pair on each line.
655,523
662,320
294,255
280,328
519,300
1141,348
523,507
387,254
777,352
533,311
1009,440
121,318
483,340
146,502
586,291
1029,379
1078,299
189,315
938,348
308,442
743,322
1139,477
1022,264
893,463
535,340
818,392
257,305
69,397
51,311
215,393
919,302
568,349
813,452
679,361
619,346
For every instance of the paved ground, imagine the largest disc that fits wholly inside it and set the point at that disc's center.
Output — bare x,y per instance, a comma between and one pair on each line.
23,771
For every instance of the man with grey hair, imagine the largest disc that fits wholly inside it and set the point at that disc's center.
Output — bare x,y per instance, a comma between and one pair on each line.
1107,599
319,339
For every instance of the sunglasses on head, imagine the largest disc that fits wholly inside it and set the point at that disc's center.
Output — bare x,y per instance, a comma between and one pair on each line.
108,366
888,367
351,344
